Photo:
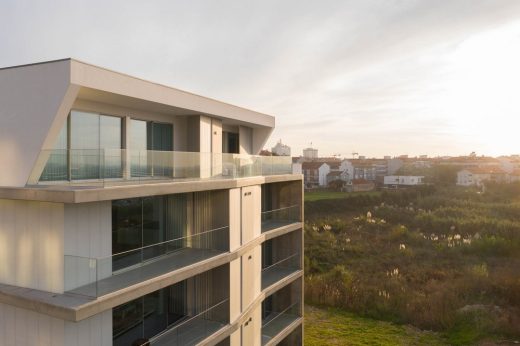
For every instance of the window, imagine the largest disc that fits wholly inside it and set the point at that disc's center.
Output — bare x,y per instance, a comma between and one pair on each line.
149,315
148,136
88,147
140,223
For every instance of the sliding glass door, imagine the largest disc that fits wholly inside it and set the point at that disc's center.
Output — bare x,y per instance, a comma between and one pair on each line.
88,147
146,228
150,145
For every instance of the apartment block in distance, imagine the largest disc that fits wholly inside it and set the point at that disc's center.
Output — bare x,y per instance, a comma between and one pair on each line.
132,213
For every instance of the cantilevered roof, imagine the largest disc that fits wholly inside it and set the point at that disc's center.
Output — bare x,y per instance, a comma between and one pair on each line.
35,100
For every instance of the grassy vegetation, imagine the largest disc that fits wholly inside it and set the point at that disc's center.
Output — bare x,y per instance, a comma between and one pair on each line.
323,195
444,259
328,326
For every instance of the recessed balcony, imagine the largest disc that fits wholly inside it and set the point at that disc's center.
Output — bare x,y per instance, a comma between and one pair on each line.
101,167
281,217
281,311
184,313
281,258
95,277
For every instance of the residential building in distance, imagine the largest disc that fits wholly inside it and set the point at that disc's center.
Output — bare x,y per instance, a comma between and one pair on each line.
403,180
135,213
281,149
310,153
476,176
360,185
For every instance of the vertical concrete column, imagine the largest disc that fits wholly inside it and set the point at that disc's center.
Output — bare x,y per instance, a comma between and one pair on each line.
126,155
235,236
216,147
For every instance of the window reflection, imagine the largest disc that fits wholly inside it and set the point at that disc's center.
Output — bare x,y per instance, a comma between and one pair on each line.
143,228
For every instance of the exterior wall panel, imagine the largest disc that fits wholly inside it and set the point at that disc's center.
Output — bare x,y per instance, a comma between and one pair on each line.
31,245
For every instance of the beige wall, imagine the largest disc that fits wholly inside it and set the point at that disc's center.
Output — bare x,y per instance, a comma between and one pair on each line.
245,138
33,99
20,327
31,244
94,331
88,234
234,219
251,209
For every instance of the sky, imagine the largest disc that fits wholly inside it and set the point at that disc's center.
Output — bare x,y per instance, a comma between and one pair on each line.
385,77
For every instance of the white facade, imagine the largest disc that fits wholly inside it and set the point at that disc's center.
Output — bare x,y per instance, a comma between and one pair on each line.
297,168
348,167
323,171
281,149
310,153
403,180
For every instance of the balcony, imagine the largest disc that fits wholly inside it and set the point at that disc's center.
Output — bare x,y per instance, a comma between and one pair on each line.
274,322
95,277
281,217
196,328
102,167
275,272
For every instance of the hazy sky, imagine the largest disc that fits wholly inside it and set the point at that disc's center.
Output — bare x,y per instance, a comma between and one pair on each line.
382,77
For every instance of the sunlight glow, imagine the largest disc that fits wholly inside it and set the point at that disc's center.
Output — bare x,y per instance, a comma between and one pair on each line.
481,90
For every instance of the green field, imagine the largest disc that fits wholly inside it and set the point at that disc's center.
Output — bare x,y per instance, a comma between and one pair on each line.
335,327
321,195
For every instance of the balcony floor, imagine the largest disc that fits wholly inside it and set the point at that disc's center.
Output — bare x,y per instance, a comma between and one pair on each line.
273,275
188,335
275,326
168,263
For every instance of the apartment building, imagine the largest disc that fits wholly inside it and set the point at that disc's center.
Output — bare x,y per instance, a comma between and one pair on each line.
132,213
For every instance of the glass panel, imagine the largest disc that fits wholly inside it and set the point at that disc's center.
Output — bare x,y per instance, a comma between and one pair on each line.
84,145
153,226
177,301
56,167
138,146
162,137
127,322
110,142
126,232
155,312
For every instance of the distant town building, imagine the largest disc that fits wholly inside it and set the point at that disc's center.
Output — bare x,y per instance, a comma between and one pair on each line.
358,185
311,176
475,176
310,153
393,165
297,168
403,180
281,149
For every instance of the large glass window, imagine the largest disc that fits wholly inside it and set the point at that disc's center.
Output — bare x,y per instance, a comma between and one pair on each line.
149,315
146,136
143,228
88,147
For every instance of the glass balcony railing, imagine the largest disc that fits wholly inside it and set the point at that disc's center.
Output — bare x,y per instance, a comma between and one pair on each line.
116,166
280,217
275,322
95,277
280,269
195,328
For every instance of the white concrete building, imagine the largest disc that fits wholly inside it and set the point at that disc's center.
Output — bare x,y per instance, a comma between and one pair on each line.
310,153
135,213
281,149
403,180
476,176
